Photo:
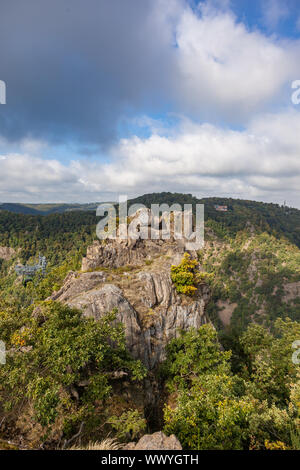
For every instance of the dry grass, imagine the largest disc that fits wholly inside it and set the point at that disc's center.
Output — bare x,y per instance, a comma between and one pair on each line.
106,444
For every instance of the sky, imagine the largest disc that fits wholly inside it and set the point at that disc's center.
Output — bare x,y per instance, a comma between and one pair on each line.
130,97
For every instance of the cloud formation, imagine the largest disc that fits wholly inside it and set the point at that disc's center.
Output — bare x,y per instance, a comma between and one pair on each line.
75,70
261,162
228,71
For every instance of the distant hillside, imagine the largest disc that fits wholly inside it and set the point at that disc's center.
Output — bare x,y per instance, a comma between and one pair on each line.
272,218
245,281
54,235
18,208
46,209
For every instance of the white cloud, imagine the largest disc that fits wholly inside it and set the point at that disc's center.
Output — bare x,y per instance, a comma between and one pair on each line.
260,162
24,177
227,71
224,73
268,146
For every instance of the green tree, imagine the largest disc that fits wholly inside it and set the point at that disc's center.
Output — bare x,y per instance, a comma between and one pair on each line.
52,355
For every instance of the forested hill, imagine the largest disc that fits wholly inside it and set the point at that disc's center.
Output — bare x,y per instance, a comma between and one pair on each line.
57,231
243,395
46,209
272,218
55,235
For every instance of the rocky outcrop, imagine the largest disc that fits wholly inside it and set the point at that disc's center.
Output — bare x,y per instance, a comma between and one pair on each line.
116,253
156,441
97,302
146,302
133,276
75,284
142,242
169,314
6,253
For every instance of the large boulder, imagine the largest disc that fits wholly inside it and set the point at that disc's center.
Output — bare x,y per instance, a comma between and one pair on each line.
156,441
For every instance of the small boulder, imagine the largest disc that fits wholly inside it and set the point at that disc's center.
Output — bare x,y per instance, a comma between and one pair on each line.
158,441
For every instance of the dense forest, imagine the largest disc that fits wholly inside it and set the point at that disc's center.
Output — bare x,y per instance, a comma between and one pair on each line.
270,218
231,386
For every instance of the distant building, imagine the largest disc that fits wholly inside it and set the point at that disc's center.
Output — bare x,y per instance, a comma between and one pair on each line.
221,208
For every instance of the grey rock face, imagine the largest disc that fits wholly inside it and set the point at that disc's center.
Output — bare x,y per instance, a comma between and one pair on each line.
97,302
75,284
151,310
118,252
147,303
156,441
115,253
173,314
158,289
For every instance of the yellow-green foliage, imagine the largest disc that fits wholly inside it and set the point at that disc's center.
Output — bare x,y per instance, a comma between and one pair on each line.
185,276
130,425
212,407
253,272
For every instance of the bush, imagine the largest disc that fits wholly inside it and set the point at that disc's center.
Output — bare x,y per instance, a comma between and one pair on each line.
185,276
52,356
129,426
209,407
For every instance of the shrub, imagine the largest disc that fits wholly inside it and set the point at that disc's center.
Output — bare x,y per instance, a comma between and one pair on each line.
130,425
209,407
62,351
185,276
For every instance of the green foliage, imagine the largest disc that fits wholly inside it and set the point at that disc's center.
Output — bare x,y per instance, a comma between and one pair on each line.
130,425
60,364
273,219
194,352
252,272
186,277
210,415
210,407
60,350
271,369
55,236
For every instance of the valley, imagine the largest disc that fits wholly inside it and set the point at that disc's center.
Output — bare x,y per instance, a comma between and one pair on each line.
130,337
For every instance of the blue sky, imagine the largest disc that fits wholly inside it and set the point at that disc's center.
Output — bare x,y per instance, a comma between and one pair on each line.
278,18
128,97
